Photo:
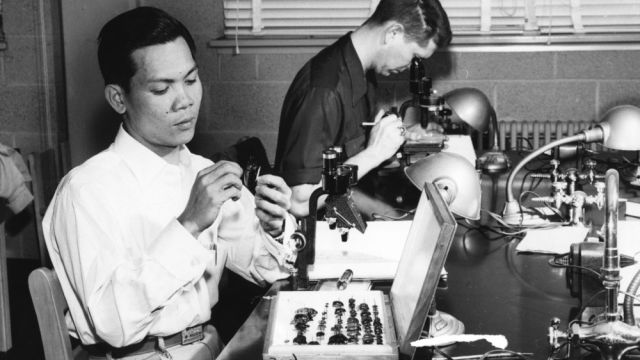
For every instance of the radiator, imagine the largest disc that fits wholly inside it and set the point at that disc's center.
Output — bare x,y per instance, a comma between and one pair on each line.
530,135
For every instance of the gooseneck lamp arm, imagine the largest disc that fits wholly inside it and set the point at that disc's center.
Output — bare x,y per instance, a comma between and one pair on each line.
494,130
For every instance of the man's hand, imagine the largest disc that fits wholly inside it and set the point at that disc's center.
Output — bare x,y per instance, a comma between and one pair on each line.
213,186
387,135
273,200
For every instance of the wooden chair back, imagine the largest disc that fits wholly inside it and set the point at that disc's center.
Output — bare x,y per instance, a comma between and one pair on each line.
5,316
51,305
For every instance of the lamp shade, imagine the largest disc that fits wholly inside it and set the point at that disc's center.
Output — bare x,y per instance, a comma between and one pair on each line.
454,176
621,128
470,106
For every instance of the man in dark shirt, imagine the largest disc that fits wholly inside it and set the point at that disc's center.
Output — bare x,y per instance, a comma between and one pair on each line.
334,94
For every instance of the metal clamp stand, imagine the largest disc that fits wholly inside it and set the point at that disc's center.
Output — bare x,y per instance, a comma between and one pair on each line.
609,333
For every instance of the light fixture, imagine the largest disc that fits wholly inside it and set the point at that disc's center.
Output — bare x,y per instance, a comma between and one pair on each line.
472,107
618,130
459,185
455,177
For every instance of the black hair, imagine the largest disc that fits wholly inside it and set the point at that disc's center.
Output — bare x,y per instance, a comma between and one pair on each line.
423,20
132,30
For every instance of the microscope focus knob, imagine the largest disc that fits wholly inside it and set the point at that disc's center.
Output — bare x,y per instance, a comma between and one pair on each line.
299,240
446,112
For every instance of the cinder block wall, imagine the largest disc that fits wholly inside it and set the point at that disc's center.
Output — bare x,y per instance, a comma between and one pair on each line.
245,92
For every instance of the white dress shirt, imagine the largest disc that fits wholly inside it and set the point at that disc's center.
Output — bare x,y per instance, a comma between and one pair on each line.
127,267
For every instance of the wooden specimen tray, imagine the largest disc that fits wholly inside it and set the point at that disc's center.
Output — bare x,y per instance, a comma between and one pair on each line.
279,339
403,314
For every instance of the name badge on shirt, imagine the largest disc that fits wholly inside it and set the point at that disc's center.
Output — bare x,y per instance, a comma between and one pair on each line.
192,334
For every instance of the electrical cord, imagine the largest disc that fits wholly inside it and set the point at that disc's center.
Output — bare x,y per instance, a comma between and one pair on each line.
554,210
634,297
629,162
483,229
524,139
556,350
584,306
514,269
441,353
519,229
565,264
495,353
502,353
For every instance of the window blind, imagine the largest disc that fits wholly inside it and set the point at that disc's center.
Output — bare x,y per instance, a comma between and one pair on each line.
588,16
306,18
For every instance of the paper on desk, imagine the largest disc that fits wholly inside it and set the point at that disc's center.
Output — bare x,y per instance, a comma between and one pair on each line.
552,241
633,209
559,240
372,255
499,341
461,145
628,244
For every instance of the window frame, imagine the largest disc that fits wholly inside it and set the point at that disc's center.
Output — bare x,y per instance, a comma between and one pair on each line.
523,40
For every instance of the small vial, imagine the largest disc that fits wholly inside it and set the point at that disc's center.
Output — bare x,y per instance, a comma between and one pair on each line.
345,279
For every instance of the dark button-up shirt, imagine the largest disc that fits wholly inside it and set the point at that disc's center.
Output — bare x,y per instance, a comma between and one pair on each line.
325,106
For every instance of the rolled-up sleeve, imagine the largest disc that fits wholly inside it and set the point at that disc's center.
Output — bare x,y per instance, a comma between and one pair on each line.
313,126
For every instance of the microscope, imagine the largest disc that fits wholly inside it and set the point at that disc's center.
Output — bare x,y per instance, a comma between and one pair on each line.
340,211
432,116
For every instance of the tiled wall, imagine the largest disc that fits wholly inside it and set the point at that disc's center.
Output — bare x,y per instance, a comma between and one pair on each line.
245,91
30,85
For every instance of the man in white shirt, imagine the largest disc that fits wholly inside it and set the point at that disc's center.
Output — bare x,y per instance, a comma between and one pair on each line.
140,233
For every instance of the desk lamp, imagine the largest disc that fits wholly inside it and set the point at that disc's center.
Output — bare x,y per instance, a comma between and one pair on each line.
618,130
454,176
471,106
459,185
